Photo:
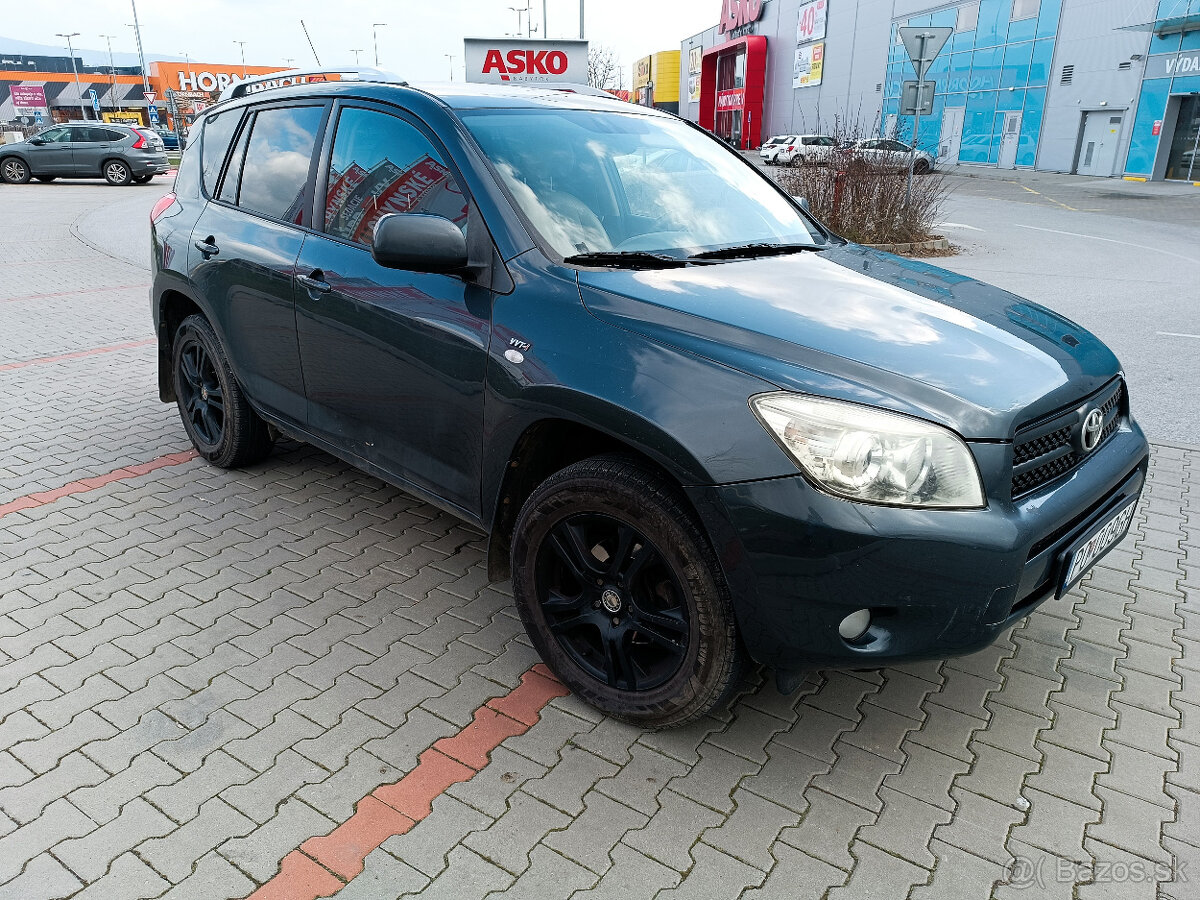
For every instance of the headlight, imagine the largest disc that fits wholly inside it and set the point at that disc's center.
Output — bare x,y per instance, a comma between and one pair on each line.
873,456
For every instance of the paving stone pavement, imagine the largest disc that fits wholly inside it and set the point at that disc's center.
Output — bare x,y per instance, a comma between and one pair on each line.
204,673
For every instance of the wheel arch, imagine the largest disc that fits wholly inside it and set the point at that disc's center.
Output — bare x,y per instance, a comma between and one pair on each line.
549,445
172,305
116,158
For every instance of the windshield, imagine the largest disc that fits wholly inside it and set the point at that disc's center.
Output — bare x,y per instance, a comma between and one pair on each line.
593,182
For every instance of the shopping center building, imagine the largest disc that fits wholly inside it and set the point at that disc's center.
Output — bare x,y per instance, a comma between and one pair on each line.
1093,87
48,90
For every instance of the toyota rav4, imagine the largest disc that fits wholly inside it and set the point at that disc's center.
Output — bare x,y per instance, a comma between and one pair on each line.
699,428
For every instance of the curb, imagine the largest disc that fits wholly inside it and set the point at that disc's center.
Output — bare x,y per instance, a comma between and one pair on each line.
915,247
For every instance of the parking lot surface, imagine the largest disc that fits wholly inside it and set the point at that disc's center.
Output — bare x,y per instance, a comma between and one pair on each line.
295,681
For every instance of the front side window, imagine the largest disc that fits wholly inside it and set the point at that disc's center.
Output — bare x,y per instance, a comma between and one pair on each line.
56,135
382,164
218,132
592,181
279,156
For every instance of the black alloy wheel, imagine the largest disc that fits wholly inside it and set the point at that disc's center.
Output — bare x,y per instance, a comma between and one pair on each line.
613,603
222,426
622,595
201,398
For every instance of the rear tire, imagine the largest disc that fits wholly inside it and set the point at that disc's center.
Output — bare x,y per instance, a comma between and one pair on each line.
116,172
14,171
797,161
222,426
622,595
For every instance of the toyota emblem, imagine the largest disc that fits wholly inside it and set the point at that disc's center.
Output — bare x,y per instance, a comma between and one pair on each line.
1093,427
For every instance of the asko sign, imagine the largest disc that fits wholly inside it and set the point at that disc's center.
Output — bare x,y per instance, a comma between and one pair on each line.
737,13
492,61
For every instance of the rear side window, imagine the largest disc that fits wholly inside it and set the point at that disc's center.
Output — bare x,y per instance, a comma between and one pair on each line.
382,164
278,161
218,132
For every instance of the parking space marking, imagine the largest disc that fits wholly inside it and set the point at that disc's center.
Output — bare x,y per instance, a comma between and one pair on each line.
79,354
322,866
83,485
1177,334
1043,196
1092,237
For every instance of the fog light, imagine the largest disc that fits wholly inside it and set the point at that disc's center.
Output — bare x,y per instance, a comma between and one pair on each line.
855,625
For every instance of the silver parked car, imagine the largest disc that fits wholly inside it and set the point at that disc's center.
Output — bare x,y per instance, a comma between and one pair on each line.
888,154
120,154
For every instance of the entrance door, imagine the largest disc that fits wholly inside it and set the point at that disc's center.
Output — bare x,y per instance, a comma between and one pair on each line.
951,139
1010,138
1098,149
1183,162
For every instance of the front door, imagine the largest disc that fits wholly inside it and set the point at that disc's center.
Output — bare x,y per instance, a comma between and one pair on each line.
53,155
1010,140
394,361
1098,149
244,249
951,139
1183,158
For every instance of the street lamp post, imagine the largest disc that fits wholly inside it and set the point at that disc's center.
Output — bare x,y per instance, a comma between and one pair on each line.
137,32
356,52
450,56
75,69
581,20
289,60
242,44
112,70
375,26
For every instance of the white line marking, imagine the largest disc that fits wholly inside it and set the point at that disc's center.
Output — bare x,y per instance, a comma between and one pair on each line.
1092,237
1177,334
960,225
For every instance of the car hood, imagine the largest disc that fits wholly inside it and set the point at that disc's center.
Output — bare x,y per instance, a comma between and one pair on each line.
861,325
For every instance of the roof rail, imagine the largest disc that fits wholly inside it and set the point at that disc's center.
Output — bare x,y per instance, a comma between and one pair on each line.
292,77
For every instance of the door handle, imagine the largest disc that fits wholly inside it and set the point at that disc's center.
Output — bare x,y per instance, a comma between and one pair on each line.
315,282
208,247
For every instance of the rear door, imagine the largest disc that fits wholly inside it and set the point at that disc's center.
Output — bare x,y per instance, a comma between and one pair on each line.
394,360
53,156
245,244
90,146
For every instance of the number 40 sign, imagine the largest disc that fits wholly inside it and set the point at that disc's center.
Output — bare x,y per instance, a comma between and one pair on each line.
811,24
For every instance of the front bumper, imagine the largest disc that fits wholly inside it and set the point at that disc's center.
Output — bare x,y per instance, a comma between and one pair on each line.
938,582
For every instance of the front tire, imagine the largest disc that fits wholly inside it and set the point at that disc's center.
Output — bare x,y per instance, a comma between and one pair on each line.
222,426
921,167
797,161
14,171
117,172
622,595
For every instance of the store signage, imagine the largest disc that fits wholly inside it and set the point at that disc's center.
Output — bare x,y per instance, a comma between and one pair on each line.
1157,129
809,66
501,61
1170,65
26,96
207,81
641,72
737,13
695,64
735,99
810,26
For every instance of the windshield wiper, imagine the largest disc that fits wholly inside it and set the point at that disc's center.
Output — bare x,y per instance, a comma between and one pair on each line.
749,251
626,259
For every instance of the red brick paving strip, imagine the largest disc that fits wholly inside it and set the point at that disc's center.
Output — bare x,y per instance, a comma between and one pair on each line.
391,809
83,485
78,354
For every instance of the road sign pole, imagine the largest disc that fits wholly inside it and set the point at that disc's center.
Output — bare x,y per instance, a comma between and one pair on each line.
922,67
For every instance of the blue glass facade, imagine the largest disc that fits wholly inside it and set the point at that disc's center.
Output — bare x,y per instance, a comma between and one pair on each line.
1000,66
1149,141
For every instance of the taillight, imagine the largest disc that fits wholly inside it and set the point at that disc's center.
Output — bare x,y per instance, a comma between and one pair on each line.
791,148
162,206
141,141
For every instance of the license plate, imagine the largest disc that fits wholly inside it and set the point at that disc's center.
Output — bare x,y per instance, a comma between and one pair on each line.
1105,536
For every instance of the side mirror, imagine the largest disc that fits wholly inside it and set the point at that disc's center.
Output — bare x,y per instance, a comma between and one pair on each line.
37,141
419,243
803,201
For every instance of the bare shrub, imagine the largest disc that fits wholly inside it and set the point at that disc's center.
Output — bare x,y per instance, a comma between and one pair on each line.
866,204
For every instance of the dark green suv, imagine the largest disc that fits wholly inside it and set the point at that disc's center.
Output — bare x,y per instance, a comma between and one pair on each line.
120,154
698,428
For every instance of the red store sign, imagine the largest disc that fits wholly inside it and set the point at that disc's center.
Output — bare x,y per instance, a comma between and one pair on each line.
736,13
735,99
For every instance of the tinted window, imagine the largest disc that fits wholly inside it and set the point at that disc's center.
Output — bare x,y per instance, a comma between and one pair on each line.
109,134
233,174
382,164
56,135
218,132
83,135
278,159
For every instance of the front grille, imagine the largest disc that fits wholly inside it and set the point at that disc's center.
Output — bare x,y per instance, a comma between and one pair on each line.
1050,447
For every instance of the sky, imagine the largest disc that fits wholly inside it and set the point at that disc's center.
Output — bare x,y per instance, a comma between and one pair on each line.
414,43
